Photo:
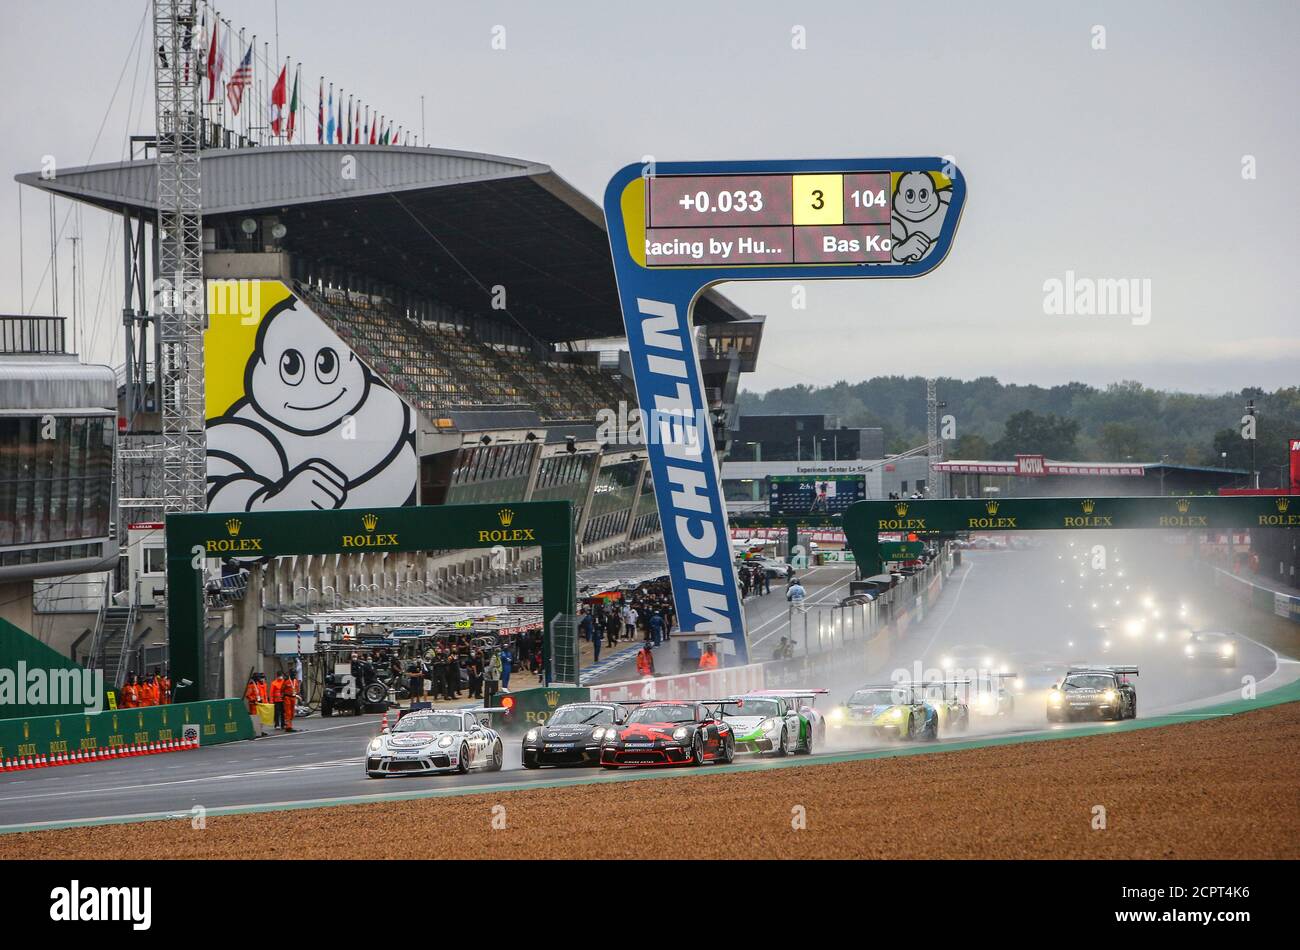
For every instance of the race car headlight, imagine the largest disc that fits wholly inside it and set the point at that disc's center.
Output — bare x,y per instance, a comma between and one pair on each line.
837,714
445,742
598,732
1054,697
1110,696
377,744
768,725
611,736
1189,650
1227,649
679,733
532,735
896,714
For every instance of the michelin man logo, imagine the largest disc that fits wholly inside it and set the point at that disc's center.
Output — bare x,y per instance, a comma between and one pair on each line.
314,428
920,208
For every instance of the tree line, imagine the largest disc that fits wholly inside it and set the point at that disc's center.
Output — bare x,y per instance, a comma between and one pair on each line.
1072,422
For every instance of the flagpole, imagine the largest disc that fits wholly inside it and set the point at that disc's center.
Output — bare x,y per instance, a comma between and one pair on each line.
243,113
267,138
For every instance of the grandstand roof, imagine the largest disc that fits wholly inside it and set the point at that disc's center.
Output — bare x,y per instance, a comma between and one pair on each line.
420,218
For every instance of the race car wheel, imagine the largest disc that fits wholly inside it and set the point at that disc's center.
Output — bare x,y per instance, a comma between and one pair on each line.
374,694
697,750
462,766
498,758
932,730
783,748
531,762
1133,710
608,765
808,745
728,751
376,775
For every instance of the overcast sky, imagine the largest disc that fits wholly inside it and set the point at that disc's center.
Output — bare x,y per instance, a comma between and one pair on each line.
1124,162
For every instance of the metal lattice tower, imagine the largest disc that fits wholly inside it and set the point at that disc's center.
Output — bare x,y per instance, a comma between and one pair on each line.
180,294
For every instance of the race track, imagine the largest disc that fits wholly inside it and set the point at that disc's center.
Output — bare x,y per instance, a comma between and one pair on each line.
1011,601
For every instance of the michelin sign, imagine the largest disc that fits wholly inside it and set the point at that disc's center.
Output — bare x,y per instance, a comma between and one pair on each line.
677,228
295,419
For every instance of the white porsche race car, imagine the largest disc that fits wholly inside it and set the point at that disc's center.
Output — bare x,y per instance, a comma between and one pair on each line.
435,740
775,721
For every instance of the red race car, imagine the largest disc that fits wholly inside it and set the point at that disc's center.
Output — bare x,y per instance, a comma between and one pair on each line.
669,733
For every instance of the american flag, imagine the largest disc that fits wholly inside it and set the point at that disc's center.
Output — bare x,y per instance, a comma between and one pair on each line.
241,78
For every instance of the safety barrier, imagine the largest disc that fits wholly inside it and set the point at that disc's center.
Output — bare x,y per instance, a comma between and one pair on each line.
1282,605
122,733
826,640
24,762
705,684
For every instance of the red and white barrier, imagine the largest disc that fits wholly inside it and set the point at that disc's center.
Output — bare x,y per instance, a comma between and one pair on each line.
23,763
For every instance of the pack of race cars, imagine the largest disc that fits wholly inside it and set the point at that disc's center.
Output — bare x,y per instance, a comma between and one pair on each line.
776,722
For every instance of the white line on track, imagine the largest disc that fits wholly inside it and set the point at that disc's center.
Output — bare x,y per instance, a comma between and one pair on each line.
31,796
952,607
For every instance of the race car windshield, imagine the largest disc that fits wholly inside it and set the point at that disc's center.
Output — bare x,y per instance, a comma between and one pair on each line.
751,707
663,714
1088,681
429,724
878,697
582,716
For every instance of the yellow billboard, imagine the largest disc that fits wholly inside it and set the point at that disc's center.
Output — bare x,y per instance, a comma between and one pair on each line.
295,419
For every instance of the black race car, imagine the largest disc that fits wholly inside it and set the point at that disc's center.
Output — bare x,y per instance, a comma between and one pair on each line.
670,733
572,735
1101,692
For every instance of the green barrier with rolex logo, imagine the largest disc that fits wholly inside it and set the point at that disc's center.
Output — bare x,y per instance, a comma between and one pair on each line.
214,721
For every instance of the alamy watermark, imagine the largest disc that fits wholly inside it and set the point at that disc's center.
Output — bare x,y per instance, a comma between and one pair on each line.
628,425
35,686
1098,297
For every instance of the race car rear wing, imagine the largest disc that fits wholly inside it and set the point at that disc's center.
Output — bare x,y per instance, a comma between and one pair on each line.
1121,670
787,693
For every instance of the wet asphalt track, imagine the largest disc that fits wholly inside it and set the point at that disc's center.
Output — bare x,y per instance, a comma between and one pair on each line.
1011,601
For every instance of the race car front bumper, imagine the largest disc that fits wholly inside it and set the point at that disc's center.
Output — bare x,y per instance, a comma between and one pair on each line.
386,763
562,753
869,728
1071,712
646,754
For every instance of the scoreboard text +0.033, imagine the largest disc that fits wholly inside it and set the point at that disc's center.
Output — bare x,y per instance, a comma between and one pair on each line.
738,220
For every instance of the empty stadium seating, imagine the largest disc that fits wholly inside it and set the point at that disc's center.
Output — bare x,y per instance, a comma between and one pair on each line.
437,366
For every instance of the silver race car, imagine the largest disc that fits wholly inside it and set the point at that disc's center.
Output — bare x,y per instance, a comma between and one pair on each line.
435,740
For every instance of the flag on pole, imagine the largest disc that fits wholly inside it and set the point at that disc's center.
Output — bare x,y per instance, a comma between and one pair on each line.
356,125
320,112
278,93
293,102
374,126
216,62
329,126
338,124
347,135
240,79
